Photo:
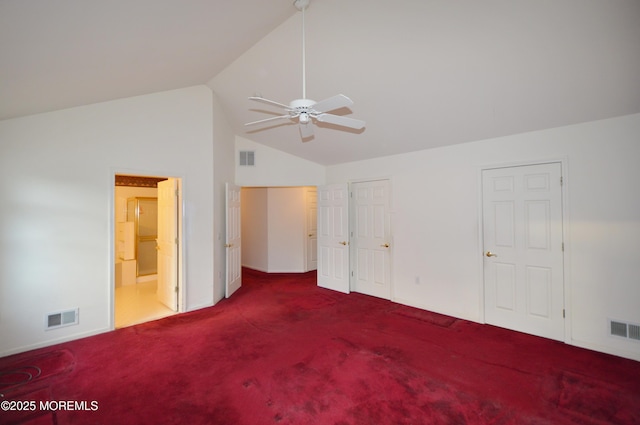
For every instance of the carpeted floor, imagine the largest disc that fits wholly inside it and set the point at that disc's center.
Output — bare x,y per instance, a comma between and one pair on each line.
283,351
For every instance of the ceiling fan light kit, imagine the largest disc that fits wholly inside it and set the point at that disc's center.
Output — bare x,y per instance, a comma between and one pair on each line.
306,111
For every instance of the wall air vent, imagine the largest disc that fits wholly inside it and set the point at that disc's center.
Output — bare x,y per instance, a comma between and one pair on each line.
61,319
624,330
247,158
634,332
618,328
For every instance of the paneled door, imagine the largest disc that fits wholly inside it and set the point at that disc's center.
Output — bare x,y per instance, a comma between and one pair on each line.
167,243
233,244
333,237
371,238
523,249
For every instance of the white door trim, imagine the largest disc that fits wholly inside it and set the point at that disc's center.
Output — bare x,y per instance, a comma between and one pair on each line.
564,162
182,249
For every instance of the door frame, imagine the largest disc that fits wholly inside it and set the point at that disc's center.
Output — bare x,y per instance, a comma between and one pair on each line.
293,186
564,164
182,251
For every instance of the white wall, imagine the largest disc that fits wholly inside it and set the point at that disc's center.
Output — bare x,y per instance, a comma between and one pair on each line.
273,169
255,228
57,206
276,168
274,229
287,214
435,223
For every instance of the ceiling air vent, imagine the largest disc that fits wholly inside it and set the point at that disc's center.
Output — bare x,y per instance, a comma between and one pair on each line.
61,319
247,158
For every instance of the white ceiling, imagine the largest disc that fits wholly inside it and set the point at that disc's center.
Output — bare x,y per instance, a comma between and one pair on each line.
61,53
422,73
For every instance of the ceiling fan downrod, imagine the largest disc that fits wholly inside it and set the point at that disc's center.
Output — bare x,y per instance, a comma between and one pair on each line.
302,5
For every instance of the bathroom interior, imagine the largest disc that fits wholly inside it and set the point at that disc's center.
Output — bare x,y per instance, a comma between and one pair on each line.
136,228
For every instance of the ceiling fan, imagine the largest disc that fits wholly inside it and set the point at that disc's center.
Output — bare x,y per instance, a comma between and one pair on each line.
307,112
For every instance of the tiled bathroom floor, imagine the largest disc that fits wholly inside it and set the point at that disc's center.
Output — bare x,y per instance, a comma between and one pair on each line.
138,303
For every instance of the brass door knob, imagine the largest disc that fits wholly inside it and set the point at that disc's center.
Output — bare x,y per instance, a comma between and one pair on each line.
490,254
228,245
343,243
385,245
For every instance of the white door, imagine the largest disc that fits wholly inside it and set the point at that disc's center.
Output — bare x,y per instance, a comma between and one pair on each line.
167,243
523,259
371,238
233,244
333,237
311,195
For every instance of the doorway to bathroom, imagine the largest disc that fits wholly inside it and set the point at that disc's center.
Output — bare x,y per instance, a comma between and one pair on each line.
147,248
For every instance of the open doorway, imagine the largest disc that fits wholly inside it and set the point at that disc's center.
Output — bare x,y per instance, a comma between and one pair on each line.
147,248
279,229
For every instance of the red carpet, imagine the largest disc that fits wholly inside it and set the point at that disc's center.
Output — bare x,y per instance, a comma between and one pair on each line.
283,351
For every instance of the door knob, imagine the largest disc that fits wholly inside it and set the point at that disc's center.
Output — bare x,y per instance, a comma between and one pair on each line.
228,245
490,254
385,245
343,243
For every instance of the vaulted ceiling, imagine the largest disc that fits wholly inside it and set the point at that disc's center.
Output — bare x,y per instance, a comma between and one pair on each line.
422,73
61,53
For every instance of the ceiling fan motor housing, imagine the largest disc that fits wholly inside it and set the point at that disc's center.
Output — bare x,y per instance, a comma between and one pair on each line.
303,109
302,105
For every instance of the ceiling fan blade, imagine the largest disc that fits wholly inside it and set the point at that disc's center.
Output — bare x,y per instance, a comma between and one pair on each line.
306,130
270,102
341,121
268,119
332,103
